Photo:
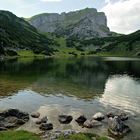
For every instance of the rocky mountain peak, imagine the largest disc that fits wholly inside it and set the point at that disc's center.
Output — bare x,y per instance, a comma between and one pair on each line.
85,23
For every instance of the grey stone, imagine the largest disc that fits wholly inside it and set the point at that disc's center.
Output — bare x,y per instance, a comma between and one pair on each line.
80,120
117,127
98,116
44,119
65,119
91,123
35,115
12,118
46,126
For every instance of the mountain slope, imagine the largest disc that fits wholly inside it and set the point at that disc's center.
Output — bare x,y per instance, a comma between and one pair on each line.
16,34
120,45
86,23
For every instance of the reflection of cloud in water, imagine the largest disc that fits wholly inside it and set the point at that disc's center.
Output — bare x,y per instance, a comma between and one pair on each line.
121,59
122,92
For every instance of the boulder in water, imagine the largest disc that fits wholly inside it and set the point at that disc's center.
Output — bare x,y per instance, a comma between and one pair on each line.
35,115
65,119
98,116
91,123
46,126
117,127
12,118
80,120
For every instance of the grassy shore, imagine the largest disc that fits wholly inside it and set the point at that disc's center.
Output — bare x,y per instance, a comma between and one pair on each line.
24,135
18,135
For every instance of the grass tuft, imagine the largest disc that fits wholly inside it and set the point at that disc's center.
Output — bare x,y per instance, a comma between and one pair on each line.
18,135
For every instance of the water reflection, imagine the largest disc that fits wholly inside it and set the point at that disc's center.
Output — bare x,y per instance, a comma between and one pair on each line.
73,86
122,91
82,77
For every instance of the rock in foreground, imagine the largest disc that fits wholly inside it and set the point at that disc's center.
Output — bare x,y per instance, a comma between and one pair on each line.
117,127
12,118
80,120
35,115
46,126
65,119
91,123
98,116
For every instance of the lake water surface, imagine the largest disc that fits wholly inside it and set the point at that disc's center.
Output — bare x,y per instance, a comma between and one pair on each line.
73,86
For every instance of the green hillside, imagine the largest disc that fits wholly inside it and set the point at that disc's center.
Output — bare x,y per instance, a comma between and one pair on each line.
16,34
18,37
124,45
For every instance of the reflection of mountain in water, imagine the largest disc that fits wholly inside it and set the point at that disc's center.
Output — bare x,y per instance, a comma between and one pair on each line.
78,76
123,92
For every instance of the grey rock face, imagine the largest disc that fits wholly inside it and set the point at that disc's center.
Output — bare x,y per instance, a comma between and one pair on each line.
86,23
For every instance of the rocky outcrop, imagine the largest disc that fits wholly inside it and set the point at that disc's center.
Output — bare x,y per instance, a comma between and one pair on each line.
12,118
86,23
117,127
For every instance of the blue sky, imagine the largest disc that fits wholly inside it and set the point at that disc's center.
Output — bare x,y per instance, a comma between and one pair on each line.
28,8
123,15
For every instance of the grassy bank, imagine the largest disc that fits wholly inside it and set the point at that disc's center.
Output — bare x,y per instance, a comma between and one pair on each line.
23,135
18,135
27,53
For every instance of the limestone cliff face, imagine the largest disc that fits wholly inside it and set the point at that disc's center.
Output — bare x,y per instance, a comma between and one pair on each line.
86,23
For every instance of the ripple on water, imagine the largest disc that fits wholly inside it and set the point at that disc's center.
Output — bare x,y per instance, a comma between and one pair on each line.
122,92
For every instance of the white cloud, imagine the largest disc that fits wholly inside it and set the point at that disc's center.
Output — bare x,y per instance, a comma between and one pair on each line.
123,16
51,0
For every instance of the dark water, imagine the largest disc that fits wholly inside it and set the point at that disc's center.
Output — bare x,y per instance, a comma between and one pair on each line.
73,86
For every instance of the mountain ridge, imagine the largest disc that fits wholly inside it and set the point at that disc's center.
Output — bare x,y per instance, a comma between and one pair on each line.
73,23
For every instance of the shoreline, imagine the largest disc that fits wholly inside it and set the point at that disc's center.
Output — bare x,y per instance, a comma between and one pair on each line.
68,56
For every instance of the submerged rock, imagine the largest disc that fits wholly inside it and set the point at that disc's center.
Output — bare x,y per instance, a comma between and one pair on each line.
98,116
46,126
117,127
35,115
65,119
12,118
91,123
80,120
